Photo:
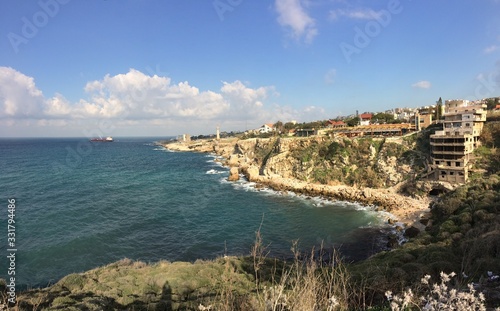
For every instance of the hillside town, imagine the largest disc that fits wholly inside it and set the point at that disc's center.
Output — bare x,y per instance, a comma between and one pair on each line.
394,122
456,125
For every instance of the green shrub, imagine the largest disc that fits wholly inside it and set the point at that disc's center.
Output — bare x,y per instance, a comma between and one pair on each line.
73,282
63,301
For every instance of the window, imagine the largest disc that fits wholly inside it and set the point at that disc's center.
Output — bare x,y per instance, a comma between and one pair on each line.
452,173
457,164
467,124
448,163
437,162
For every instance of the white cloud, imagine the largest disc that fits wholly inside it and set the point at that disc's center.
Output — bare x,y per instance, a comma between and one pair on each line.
57,106
19,96
359,14
136,95
293,16
422,84
135,99
491,49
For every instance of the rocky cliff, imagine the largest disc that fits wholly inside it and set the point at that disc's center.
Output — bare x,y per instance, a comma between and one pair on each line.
365,170
362,162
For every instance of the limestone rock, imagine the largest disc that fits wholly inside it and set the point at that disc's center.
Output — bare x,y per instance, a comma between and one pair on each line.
252,173
234,174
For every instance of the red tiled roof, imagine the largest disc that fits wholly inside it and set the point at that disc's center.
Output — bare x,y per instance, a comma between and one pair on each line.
366,116
336,122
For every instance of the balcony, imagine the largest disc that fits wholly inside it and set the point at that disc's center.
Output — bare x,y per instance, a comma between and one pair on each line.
449,143
446,152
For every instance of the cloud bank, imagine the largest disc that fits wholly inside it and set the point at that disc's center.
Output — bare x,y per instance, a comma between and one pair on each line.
135,98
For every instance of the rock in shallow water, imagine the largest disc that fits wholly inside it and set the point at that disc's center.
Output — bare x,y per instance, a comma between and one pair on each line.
234,174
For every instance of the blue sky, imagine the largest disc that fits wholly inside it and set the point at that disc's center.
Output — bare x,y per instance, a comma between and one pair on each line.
157,68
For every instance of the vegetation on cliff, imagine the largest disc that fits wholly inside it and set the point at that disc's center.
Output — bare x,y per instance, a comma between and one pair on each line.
362,162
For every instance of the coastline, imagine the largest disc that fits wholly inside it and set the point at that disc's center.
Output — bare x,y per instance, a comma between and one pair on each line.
405,210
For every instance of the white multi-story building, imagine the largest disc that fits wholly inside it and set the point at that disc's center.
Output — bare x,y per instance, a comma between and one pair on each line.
452,147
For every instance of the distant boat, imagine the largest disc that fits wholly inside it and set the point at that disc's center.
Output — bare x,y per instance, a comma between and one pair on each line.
108,139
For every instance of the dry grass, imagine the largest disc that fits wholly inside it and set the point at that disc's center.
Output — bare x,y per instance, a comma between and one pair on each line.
303,284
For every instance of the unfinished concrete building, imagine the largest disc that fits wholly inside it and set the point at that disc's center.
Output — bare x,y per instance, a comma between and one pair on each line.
452,147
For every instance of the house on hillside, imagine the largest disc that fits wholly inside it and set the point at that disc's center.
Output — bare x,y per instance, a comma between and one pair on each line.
422,121
306,132
365,118
266,128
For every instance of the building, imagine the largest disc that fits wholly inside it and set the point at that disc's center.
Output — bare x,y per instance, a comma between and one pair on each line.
403,116
423,120
185,138
305,132
266,128
365,118
452,147
375,130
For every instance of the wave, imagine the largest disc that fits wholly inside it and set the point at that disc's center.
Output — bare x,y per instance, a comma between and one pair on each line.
216,161
314,202
214,172
159,148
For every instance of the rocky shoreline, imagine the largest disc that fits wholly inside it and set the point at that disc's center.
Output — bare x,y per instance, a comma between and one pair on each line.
407,211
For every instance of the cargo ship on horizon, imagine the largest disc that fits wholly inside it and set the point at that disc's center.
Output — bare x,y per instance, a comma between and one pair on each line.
108,139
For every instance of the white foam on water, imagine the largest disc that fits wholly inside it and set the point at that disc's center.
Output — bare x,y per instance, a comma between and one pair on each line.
214,172
243,184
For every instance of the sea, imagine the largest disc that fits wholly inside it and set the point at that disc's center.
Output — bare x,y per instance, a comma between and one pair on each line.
81,205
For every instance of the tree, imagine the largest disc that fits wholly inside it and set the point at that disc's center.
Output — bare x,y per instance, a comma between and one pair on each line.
352,121
382,117
439,108
491,103
278,126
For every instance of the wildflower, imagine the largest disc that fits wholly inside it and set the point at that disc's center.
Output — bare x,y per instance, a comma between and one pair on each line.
388,294
441,297
425,279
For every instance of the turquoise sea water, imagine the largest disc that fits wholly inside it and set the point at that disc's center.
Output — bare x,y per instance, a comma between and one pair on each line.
80,205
